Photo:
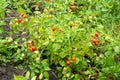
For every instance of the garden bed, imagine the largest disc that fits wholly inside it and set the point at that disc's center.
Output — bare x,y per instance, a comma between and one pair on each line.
59,40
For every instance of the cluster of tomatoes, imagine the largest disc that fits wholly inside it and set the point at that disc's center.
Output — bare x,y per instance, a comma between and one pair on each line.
23,19
31,46
54,29
95,40
68,62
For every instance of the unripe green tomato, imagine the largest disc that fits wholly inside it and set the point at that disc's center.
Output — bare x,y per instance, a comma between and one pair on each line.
37,59
23,55
36,52
67,75
65,69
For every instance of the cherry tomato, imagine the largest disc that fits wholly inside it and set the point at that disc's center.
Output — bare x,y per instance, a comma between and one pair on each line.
72,7
67,63
96,43
20,20
33,48
96,34
73,58
53,28
94,40
22,14
23,21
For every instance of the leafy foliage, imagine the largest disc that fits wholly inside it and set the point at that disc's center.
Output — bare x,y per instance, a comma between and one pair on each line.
52,32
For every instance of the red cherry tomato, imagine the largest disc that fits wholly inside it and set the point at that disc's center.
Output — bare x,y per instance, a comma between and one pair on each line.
33,48
73,58
53,28
96,34
94,40
22,14
67,63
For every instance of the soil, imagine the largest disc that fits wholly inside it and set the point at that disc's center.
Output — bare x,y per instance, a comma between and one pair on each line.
7,72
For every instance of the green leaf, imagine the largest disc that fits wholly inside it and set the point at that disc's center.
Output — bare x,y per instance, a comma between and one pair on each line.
62,54
77,76
20,10
116,49
46,75
34,78
18,77
2,14
56,47
40,76
46,68
62,63
45,65
2,23
27,75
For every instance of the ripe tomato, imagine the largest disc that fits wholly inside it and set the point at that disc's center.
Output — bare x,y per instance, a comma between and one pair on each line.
72,7
67,63
53,28
20,20
22,14
94,40
73,58
96,34
33,48
23,21
96,43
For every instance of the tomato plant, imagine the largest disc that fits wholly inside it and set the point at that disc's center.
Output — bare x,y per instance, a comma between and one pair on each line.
78,39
